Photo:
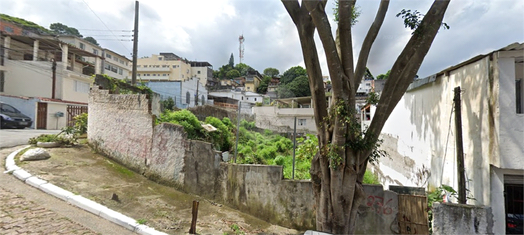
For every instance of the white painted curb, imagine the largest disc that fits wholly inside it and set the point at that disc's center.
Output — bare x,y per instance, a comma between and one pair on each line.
76,200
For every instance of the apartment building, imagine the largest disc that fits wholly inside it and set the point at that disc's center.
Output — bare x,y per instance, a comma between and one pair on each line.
164,67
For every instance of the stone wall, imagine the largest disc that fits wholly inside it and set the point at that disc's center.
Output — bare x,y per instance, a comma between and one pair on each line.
122,127
201,112
449,218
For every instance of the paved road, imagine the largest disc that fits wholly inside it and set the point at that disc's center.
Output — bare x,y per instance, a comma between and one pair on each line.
15,137
27,210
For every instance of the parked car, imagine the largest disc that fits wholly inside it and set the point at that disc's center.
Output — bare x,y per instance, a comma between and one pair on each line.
11,117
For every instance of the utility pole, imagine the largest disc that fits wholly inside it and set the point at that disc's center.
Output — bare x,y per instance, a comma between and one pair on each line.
196,98
238,130
460,148
53,89
294,146
135,45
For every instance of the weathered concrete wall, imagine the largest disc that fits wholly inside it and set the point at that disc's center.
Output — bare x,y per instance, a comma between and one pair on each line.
201,112
121,126
451,218
261,190
377,214
168,148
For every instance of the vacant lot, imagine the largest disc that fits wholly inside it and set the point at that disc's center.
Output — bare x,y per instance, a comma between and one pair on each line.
93,176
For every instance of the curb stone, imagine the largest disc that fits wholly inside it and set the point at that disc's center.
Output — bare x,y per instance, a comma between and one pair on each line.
76,200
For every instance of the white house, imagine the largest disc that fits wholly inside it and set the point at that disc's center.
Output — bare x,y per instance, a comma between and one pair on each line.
28,82
420,133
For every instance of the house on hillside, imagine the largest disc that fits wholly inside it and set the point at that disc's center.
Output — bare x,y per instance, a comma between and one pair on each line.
420,133
185,94
280,117
252,80
27,81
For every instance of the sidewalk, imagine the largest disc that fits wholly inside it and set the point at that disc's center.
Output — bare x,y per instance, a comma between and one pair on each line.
27,210
87,174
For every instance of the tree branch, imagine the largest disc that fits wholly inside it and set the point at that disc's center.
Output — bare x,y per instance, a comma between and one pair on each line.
345,9
405,68
369,40
320,19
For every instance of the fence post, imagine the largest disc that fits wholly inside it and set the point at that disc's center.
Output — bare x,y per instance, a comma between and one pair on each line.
238,130
194,213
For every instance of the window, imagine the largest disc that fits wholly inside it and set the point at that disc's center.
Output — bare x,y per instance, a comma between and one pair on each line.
82,46
255,99
301,122
8,29
107,66
188,97
203,100
82,87
164,74
2,81
115,59
108,56
120,71
159,58
154,75
198,72
518,95
121,61
95,51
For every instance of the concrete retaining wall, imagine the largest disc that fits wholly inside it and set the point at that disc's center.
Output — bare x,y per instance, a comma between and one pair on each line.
449,218
121,126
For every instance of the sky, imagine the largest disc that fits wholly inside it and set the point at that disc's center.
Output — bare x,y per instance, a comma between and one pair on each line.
208,30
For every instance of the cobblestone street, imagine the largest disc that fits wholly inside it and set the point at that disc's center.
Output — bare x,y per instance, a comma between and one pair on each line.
18,215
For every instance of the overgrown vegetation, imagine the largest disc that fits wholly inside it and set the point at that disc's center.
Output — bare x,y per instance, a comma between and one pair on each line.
61,139
24,23
118,86
437,196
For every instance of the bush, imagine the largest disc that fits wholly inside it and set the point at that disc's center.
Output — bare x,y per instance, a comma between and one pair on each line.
228,123
370,178
186,119
52,138
80,123
221,138
279,160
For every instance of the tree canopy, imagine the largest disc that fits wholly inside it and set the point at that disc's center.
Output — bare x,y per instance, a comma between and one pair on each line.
231,61
337,170
62,29
291,74
271,72
91,40
384,76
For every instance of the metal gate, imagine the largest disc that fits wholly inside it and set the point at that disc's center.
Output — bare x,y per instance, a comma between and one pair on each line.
412,214
73,111
41,116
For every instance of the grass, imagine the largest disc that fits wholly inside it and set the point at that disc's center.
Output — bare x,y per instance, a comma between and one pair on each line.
120,169
141,221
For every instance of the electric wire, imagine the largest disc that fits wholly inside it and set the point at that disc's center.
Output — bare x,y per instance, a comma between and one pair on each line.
105,25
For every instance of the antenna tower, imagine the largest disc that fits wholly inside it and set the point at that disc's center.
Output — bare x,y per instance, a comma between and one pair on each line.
241,47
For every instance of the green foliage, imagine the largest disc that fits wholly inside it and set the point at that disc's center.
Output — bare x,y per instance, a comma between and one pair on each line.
24,24
62,29
299,86
91,40
51,138
233,73
291,74
437,196
186,119
413,19
243,69
168,104
355,13
271,72
221,138
308,148
117,86
80,123
372,98
231,61
384,76
247,125
141,221
262,88
370,178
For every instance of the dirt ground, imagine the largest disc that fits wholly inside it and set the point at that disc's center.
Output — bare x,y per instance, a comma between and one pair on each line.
81,171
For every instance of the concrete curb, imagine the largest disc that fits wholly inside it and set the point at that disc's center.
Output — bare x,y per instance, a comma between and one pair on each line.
76,200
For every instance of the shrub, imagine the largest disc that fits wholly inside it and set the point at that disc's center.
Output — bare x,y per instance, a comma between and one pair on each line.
80,123
228,123
221,138
370,178
52,138
186,119
279,160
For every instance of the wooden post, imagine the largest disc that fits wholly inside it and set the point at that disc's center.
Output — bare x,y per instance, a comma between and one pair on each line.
192,230
53,86
460,148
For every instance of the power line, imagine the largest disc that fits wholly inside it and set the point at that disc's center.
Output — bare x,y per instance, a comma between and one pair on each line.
112,30
104,24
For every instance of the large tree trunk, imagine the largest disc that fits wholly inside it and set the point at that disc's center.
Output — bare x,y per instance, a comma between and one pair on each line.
338,168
